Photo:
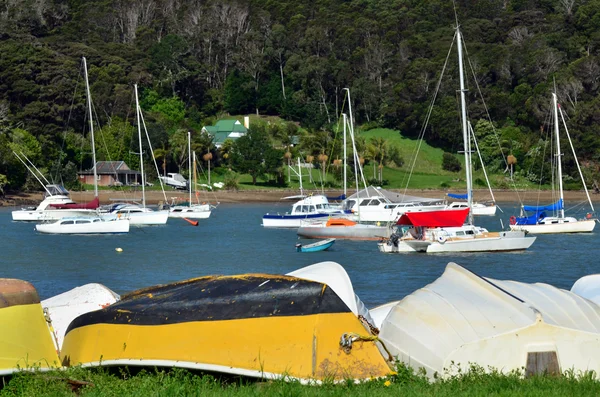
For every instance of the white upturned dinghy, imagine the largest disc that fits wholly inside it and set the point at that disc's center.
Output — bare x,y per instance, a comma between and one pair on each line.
64,308
463,319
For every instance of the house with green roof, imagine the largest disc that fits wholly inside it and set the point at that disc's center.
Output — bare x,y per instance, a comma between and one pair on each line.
225,129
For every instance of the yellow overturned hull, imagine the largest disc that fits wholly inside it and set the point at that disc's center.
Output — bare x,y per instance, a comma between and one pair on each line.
25,338
259,325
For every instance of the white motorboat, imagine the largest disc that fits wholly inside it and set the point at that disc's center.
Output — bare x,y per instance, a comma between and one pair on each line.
533,218
175,180
463,319
308,208
446,230
374,205
85,225
56,204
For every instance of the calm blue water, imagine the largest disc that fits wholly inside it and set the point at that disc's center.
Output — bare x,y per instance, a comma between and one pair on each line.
233,241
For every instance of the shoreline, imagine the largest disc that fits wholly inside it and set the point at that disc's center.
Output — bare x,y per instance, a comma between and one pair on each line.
154,197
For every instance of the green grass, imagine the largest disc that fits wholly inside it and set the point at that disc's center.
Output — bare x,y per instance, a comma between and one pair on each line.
178,382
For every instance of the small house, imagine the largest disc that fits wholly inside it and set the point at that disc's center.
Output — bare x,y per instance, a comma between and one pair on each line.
225,129
111,173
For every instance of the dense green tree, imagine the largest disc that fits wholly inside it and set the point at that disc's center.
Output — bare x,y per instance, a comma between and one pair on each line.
253,154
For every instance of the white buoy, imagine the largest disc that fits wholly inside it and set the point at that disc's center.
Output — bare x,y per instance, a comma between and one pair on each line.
119,249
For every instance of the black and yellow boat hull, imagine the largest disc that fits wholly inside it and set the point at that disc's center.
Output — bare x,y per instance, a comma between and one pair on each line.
25,337
255,325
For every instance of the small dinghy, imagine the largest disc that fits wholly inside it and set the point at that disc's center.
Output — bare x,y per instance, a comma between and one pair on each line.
258,325
25,340
314,247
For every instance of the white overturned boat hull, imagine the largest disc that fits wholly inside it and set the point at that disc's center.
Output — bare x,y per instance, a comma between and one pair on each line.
463,319
64,308
580,226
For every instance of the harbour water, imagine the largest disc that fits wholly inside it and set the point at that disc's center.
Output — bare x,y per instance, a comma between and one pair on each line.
232,241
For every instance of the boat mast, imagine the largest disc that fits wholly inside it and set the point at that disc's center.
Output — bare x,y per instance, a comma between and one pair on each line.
466,143
345,154
89,101
561,211
190,167
137,113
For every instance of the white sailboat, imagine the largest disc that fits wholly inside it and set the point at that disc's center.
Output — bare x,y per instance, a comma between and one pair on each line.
487,208
85,221
537,222
191,210
57,204
444,231
139,215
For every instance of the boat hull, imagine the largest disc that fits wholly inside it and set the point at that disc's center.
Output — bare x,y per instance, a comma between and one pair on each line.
316,247
491,242
25,341
202,211
254,325
115,226
288,220
463,319
49,215
579,226
355,232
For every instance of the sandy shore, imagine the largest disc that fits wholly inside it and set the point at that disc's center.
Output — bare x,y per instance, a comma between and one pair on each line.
266,196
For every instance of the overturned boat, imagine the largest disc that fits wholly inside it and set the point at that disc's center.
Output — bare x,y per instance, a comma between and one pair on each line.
463,319
258,325
25,340
61,309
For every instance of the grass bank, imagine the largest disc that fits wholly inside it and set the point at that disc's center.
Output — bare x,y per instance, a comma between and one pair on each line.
178,382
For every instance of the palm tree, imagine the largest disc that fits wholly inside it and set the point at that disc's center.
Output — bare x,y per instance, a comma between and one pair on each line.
379,148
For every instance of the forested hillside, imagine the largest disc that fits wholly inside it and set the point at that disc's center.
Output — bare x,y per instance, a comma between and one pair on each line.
196,61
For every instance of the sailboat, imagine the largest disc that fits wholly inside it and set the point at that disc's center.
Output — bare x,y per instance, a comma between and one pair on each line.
487,208
537,221
190,210
57,203
85,220
139,214
445,230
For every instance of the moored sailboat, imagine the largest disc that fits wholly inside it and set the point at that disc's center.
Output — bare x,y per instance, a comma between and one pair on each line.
534,218
435,231
191,210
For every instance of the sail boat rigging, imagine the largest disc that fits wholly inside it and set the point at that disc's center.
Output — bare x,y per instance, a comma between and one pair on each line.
191,210
446,230
537,221
139,214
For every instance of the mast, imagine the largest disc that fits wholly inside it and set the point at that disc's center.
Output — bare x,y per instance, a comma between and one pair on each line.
345,154
89,101
190,167
137,113
558,156
466,143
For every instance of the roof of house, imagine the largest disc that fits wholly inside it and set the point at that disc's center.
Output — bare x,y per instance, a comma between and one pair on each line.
110,167
225,129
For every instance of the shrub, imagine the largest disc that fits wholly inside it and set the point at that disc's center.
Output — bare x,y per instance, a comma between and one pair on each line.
450,163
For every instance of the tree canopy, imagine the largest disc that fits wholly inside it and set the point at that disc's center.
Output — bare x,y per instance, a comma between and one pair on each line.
198,60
